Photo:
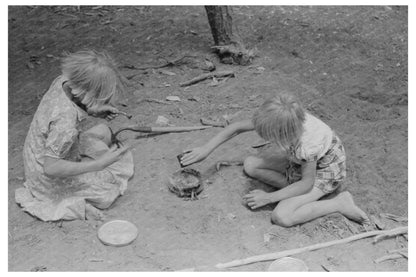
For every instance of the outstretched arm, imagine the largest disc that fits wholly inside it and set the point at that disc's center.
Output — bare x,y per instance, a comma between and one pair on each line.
200,153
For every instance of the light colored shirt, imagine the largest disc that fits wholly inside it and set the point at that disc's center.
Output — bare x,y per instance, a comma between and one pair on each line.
315,141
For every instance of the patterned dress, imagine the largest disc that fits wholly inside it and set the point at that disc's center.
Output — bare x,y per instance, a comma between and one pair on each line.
318,143
53,133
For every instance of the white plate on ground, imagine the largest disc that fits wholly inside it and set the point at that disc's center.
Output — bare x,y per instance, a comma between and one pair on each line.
117,233
288,264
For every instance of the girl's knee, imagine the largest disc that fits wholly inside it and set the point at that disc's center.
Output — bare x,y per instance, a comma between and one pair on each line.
282,218
101,131
251,164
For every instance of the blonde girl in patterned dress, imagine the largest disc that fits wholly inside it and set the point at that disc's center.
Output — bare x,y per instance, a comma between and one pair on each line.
71,174
309,163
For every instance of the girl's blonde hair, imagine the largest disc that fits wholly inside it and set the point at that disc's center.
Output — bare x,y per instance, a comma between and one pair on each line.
93,77
280,119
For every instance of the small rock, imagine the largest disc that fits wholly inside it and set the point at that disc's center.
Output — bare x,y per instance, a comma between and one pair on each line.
252,97
266,237
161,120
208,66
231,216
173,98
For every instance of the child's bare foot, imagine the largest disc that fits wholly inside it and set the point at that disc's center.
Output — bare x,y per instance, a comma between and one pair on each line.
92,213
350,210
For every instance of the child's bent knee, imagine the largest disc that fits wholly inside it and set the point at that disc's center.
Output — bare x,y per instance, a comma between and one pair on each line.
101,131
282,219
251,164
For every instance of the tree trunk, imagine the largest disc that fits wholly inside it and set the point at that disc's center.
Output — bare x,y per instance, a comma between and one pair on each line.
221,24
227,42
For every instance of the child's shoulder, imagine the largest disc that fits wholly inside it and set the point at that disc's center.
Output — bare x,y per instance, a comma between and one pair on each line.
54,104
315,125
315,139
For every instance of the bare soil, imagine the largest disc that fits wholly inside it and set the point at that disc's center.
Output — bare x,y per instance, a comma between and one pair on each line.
347,63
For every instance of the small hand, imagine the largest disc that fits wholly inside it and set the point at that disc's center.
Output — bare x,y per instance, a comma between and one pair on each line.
257,198
112,155
105,111
194,155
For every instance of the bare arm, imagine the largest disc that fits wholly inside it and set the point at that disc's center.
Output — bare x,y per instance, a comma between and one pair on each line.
62,168
299,187
229,132
55,167
200,153
259,198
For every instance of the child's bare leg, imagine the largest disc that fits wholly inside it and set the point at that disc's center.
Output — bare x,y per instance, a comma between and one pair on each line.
100,131
303,208
269,170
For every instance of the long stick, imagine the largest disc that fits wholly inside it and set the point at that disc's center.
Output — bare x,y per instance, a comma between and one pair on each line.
168,63
206,76
277,255
178,129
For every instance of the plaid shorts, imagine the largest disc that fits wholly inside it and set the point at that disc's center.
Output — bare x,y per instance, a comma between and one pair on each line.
331,169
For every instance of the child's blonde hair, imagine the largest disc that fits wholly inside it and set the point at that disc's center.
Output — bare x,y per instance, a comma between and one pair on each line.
93,77
280,119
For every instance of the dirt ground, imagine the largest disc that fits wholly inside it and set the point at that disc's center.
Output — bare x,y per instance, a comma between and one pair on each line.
347,64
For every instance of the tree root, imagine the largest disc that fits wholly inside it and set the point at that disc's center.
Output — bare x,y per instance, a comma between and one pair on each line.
234,53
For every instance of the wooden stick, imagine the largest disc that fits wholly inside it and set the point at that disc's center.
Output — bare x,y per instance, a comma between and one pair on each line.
391,257
227,163
129,116
281,254
394,217
388,234
154,100
207,76
401,250
261,144
167,64
208,122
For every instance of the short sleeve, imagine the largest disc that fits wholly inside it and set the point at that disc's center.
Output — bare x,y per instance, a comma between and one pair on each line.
308,153
60,138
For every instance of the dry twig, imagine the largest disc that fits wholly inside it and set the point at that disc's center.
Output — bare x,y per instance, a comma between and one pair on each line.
205,76
167,64
153,100
227,163
394,217
394,256
291,252
205,121
261,144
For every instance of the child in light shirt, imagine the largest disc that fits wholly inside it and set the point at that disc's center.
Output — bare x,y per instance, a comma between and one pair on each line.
310,163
